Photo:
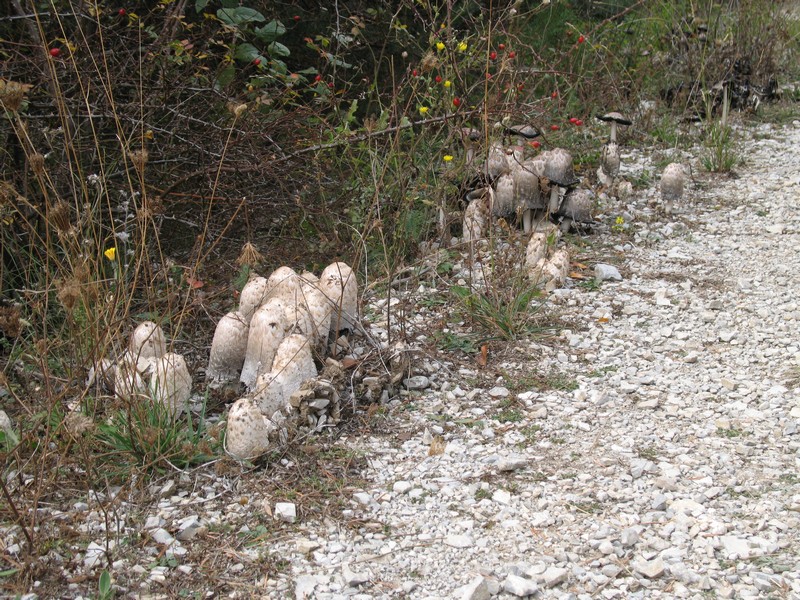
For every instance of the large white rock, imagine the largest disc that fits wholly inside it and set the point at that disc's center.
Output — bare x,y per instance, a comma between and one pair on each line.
171,383
338,283
267,330
247,432
228,348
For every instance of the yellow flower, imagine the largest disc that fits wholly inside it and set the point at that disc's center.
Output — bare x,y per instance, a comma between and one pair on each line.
447,83
447,158
423,110
462,46
620,220
111,253
439,46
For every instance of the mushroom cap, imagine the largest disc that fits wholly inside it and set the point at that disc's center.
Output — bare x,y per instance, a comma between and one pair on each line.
496,161
610,159
293,366
253,295
338,283
171,383
283,284
476,217
228,348
267,330
318,307
558,168
527,131
616,117
503,204
470,133
247,430
577,205
148,341
528,194
673,180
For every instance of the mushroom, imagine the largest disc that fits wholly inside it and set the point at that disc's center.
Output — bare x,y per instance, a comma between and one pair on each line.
283,284
147,341
317,305
496,161
673,180
293,366
338,283
527,192
267,330
171,383
615,119
540,244
130,377
253,295
576,208
477,214
559,172
523,133
102,373
503,205
470,138
247,431
228,348
609,164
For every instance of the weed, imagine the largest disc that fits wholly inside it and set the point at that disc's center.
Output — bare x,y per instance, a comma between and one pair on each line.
498,316
731,433
450,342
720,154
649,453
510,416
483,494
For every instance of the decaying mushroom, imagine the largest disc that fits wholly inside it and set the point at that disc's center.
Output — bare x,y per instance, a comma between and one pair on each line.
147,341
527,192
470,138
615,119
338,283
477,216
228,348
523,133
171,383
253,295
673,180
247,430
496,161
503,205
267,330
609,164
540,245
558,171
293,365
576,208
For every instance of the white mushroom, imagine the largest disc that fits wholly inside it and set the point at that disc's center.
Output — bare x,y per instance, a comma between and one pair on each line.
284,284
338,283
558,269
496,161
477,215
253,295
527,191
247,431
673,181
103,373
609,164
503,205
293,366
317,305
267,330
228,348
558,171
615,119
147,341
131,377
576,207
171,383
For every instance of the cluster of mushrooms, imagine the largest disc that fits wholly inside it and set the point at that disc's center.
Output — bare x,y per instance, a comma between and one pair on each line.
147,370
269,345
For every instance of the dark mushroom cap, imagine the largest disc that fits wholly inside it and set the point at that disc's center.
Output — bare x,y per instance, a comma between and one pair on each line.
577,205
558,168
616,117
527,131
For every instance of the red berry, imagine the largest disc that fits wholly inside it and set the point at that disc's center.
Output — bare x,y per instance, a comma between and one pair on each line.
55,52
554,95
520,86
317,77
536,144
512,54
297,17
573,120
493,55
456,102
330,84
488,75
578,122
256,61
438,79
554,128
414,73
581,39
122,12
501,46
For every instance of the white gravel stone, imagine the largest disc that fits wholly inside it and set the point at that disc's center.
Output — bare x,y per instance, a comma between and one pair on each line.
519,586
286,511
477,589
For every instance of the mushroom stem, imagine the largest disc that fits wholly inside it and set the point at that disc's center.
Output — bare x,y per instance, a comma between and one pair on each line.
613,131
553,198
527,220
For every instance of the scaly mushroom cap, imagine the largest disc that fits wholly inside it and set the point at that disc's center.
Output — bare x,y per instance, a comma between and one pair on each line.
171,383
254,294
104,372
524,131
496,161
503,205
148,341
672,182
284,284
528,193
267,330
317,305
293,366
247,431
610,159
228,348
577,205
338,283
131,376
558,168
477,217
615,117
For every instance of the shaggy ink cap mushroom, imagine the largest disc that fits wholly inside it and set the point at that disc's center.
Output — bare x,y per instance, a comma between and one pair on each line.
615,119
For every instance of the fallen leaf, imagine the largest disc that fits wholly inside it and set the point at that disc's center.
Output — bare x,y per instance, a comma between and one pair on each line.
349,363
576,275
483,357
603,320
194,283
437,446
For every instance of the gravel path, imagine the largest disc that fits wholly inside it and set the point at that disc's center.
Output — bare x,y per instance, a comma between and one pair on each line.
650,452
670,472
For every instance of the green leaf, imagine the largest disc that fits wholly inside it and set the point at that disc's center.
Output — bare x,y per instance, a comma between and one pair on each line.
278,49
239,15
104,584
270,32
225,77
199,5
9,572
279,66
246,52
